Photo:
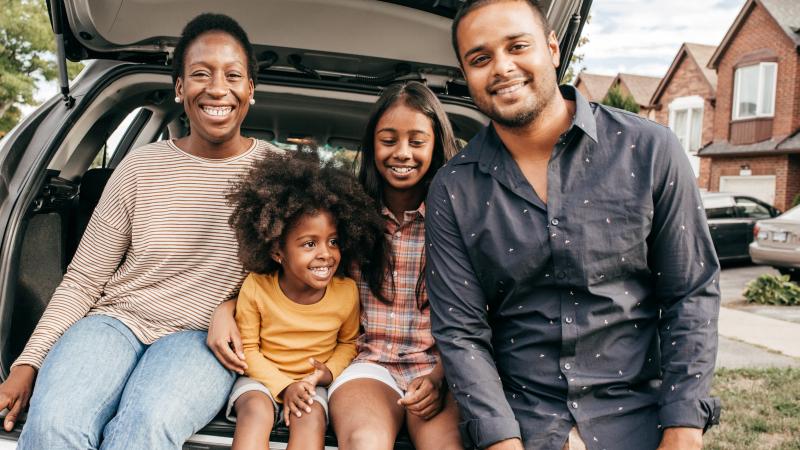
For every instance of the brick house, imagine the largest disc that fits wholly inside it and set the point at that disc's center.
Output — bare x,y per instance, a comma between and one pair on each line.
641,88
756,143
593,86
684,99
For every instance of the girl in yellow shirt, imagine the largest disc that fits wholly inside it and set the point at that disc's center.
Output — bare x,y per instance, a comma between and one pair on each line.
300,227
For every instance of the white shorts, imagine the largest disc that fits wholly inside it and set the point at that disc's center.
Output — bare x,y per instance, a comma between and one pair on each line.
247,384
369,370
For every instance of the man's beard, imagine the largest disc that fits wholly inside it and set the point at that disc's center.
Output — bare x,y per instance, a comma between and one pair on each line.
528,113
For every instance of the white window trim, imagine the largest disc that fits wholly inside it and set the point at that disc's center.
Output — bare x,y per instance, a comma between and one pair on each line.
760,94
689,103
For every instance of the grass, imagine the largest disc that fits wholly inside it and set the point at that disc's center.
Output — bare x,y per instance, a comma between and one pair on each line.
760,410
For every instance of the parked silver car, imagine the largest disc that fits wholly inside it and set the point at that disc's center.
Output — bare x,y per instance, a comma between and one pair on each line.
322,64
777,243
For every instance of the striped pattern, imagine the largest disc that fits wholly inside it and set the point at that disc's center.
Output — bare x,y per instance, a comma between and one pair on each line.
398,335
158,253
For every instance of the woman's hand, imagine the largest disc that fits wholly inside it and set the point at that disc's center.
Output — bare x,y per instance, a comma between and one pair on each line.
424,397
224,338
321,376
297,398
15,393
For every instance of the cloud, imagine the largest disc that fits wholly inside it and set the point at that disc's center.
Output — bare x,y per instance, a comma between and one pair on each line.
643,36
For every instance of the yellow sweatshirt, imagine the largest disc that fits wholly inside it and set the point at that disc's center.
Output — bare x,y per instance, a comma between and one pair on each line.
280,335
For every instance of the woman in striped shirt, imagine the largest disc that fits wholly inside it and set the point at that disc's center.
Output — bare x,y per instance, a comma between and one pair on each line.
121,349
397,376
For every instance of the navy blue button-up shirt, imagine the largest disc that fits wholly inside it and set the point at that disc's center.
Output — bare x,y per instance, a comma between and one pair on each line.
597,310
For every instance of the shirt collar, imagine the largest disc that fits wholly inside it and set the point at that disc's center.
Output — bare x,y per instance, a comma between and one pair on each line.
407,216
584,115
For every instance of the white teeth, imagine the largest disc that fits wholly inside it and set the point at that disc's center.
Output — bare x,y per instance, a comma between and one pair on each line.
321,271
217,110
509,89
402,170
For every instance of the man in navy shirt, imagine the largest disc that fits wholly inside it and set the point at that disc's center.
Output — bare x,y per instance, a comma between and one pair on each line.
572,278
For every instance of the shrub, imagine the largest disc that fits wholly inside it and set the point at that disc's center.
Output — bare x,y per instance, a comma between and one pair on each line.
773,290
796,201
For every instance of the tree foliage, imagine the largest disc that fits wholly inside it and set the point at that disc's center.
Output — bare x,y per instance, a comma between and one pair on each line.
614,97
27,47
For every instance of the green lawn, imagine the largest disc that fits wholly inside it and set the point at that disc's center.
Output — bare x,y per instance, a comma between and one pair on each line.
760,410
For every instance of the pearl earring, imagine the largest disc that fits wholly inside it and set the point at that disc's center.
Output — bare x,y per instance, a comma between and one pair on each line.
252,101
177,99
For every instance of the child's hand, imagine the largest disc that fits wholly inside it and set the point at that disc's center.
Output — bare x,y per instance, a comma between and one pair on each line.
424,397
297,398
321,376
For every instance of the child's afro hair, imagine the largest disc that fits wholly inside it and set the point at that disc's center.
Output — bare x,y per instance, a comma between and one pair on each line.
285,186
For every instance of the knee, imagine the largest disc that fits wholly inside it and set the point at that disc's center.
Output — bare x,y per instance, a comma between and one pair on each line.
56,429
363,438
313,422
255,406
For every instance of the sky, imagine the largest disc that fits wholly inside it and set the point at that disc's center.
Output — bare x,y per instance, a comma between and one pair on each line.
643,36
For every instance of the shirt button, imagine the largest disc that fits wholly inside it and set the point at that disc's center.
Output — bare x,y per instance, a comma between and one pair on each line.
554,222
394,274
568,366
397,235
575,405
389,346
391,315
561,275
568,320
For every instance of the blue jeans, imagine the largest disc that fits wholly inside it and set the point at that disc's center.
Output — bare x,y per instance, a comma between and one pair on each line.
99,387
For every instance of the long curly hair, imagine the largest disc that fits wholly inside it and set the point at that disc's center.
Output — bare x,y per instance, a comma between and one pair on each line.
284,187
416,96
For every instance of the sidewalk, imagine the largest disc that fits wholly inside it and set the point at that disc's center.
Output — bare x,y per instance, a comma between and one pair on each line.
773,334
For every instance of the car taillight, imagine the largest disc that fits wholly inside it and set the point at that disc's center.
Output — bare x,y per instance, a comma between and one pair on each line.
756,229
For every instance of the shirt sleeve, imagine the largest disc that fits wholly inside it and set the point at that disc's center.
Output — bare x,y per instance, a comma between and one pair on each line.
346,341
100,252
248,319
460,325
686,271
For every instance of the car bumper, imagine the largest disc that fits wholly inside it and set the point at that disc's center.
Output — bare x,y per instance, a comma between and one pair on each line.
777,257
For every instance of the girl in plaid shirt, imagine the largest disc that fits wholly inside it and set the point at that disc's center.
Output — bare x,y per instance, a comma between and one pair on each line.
397,377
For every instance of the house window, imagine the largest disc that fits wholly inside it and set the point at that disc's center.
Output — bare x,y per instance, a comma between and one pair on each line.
754,91
686,121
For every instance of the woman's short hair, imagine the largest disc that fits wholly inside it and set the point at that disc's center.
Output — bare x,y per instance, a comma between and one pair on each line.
206,23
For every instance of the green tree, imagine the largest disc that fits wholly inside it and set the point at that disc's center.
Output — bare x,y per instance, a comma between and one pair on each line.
614,97
27,46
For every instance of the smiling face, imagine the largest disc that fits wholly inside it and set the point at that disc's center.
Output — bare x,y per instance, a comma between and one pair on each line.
508,61
309,257
215,88
404,143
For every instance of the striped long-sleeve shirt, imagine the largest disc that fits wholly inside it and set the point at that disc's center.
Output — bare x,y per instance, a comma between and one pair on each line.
158,253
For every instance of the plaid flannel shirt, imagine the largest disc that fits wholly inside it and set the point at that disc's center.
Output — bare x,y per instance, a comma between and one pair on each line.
398,335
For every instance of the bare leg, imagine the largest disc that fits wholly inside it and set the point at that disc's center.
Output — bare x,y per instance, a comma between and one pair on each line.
255,416
365,415
308,431
438,433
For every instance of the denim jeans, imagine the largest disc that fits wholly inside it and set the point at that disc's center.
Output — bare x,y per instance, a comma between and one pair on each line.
101,388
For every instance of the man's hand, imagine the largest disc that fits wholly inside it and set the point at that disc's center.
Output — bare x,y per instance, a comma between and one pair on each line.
508,444
224,339
297,398
16,392
321,376
681,438
424,397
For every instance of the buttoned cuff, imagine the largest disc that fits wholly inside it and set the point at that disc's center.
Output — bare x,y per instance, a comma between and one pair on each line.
701,413
485,432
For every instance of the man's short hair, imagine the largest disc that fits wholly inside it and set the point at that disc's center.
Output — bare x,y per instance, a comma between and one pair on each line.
470,5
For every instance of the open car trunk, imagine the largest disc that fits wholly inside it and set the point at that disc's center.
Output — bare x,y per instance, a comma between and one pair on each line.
322,65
